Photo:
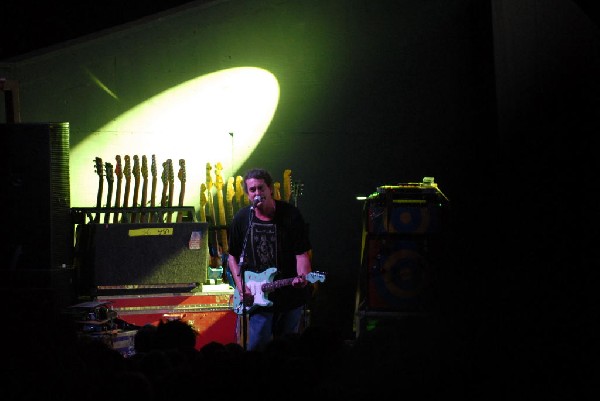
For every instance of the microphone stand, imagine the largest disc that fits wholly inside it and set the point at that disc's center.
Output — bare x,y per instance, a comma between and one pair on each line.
242,266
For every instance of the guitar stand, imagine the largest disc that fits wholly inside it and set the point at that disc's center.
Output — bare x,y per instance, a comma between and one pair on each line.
152,214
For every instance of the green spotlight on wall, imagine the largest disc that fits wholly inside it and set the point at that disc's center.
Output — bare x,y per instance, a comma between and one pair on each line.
219,117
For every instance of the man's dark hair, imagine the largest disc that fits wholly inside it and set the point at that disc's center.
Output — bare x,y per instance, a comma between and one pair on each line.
259,174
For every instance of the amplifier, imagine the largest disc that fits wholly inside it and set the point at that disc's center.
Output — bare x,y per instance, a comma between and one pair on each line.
411,208
155,257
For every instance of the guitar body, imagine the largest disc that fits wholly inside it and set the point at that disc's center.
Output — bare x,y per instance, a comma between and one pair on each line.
260,284
254,282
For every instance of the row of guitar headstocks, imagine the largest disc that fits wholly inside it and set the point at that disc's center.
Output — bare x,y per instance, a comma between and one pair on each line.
133,187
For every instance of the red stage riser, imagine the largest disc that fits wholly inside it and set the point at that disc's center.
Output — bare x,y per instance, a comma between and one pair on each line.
211,326
210,315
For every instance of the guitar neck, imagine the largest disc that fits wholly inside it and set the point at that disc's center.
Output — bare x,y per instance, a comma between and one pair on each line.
182,178
100,190
108,201
153,192
144,198
222,221
117,199
134,203
170,196
287,185
127,190
151,216
268,287
181,198
136,191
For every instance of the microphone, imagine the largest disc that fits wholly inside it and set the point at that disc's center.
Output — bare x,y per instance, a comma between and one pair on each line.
257,200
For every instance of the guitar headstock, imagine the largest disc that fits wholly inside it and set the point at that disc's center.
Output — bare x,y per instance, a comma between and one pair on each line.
110,177
218,176
127,168
230,189
209,182
165,173
136,167
170,174
287,185
239,189
313,277
144,166
181,173
203,198
277,190
296,191
118,167
153,167
99,168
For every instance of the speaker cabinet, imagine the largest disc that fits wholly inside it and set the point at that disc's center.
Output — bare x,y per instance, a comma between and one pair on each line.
398,274
35,168
149,257
401,232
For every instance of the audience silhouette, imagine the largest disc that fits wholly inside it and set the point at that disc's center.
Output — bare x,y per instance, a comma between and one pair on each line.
408,357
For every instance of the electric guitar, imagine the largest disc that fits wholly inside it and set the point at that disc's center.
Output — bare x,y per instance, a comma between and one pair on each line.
164,178
239,192
127,174
110,178
209,196
171,180
221,204
277,190
287,185
100,171
203,202
297,188
230,193
119,174
154,171
144,187
215,248
260,284
136,185
181,176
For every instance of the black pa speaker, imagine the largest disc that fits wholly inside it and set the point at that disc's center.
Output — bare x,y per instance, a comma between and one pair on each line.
35,168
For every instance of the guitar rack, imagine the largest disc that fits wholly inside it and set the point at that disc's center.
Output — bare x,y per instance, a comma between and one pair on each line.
83,215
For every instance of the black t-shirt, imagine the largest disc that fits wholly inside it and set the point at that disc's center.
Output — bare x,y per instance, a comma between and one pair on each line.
272,244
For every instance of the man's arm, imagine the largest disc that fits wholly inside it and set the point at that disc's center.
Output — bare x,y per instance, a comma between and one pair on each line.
303,267
232,263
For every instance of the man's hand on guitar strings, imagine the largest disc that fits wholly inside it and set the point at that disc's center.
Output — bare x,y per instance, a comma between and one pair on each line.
299,282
